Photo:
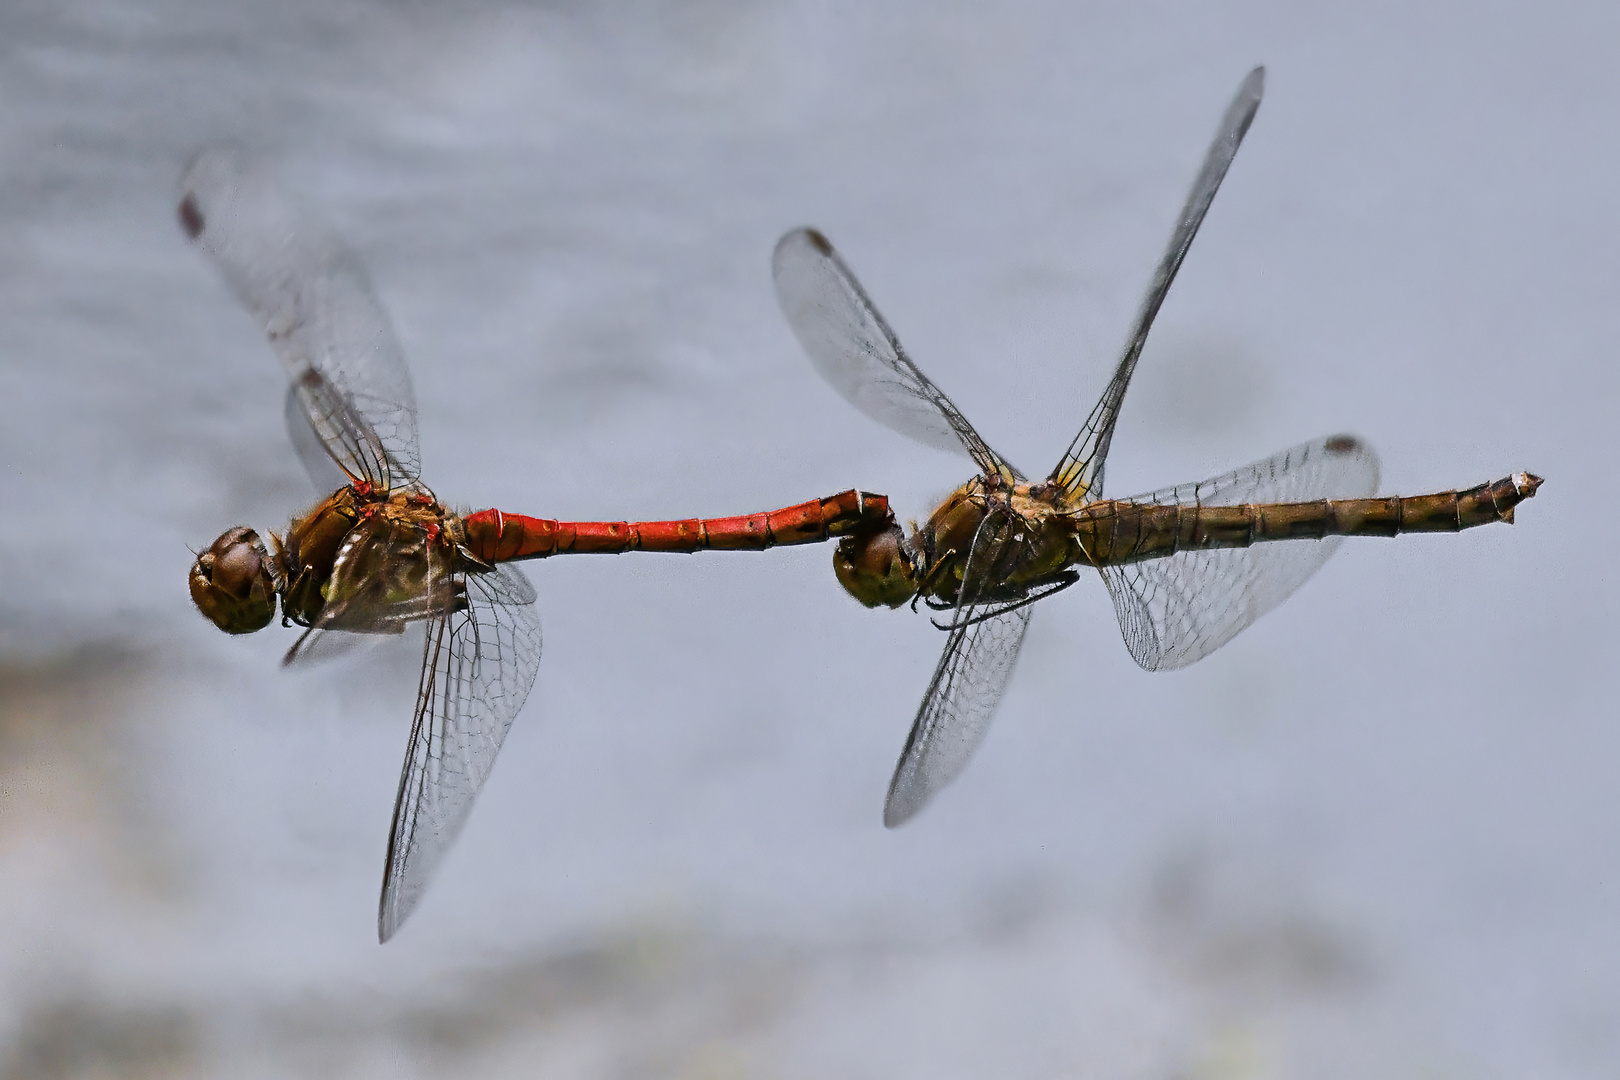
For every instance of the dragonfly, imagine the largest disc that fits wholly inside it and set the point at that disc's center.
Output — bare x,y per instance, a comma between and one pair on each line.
1186,567
382,552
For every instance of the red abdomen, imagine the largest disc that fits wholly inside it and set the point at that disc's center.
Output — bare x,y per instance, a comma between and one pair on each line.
494,536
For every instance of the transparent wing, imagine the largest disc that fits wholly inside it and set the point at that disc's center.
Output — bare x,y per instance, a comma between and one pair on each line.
854,349
1081,470
311,295
967,686
323,472
478,664
1183,607
318,646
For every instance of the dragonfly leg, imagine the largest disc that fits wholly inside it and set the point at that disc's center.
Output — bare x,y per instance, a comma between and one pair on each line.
294,583
926,584
458,594
292,653
1055,584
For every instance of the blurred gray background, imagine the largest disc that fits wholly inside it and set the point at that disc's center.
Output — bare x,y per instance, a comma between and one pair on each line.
1374,836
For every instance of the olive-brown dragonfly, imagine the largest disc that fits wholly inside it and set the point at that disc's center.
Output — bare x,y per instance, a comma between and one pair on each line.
1178,563
382,552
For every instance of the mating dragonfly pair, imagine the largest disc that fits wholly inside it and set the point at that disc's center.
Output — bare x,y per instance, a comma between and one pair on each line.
1187,567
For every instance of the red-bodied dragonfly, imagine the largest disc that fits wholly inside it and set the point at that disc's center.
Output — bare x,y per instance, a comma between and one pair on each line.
1178,563
382,552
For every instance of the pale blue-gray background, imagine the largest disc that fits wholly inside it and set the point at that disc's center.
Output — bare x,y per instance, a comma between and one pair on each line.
1375,835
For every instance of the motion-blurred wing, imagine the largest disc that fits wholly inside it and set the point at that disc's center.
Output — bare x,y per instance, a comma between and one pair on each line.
1183,607
1081,470
317,646
311,296
854,349
478,664
966,688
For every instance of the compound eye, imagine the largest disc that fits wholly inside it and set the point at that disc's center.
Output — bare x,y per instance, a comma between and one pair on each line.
875,568
231,582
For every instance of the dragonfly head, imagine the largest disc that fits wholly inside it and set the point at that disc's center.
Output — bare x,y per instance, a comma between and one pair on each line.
232,582
876,567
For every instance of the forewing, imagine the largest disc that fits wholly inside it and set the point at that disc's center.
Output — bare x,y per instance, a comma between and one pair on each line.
962,697
1081,470
852,346
1183,607
478,664
311,296
322,470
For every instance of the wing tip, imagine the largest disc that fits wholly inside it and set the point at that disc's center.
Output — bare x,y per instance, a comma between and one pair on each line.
388,918
805,234
1344,445
897,811
908,792
1341,444
212,168
1246,105
393,909
817,240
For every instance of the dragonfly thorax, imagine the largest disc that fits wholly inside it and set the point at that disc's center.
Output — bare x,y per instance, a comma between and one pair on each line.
311,550
1009,538
381,542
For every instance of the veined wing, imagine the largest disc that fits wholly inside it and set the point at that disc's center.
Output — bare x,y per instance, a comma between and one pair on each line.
967,685
854,349
319,466
311,295
478,664
1081,470
1183,607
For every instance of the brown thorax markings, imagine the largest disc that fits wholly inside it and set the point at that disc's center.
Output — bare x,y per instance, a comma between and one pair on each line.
318,543
1034,551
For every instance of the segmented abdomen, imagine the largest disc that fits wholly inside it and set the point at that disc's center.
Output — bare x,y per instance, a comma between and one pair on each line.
1111,533
494,536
